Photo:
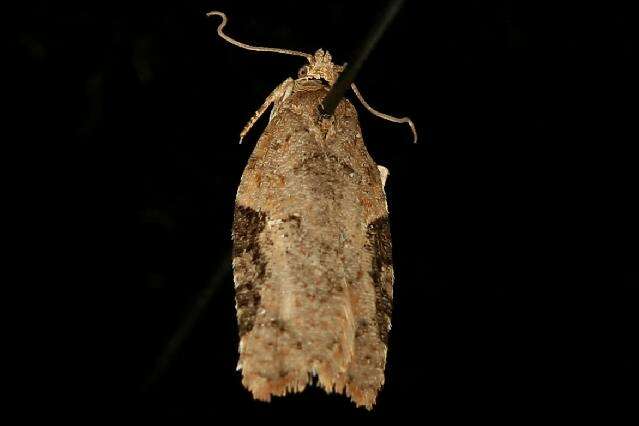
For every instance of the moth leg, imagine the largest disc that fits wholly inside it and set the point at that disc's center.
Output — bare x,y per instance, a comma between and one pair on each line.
281,91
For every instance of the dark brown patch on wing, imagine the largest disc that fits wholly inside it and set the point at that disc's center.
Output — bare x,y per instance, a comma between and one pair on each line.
247,226
379,242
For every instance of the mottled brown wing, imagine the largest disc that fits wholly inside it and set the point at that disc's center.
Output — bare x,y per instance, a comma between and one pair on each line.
312,256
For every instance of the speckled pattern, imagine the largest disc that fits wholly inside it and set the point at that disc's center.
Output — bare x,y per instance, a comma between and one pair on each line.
312,258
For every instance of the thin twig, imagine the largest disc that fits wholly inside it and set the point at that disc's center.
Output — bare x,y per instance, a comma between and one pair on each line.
190,319
352,68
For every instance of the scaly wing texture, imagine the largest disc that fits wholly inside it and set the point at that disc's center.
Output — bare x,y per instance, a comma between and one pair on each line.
312,256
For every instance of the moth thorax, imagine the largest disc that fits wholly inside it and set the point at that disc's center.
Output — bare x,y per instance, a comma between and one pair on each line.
321,67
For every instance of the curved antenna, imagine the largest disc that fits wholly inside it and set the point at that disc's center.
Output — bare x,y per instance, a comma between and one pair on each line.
385,116
249,47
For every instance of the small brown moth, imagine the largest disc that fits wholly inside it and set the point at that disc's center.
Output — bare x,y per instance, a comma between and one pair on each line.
311,244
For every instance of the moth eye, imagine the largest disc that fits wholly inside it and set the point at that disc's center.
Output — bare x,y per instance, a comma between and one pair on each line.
303,71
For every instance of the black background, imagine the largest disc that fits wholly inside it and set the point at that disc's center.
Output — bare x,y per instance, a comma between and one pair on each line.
510,218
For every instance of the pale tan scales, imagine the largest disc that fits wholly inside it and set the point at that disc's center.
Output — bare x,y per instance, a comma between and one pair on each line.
319,190
311,244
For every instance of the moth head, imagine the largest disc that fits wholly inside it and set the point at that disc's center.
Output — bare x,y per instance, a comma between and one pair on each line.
321,67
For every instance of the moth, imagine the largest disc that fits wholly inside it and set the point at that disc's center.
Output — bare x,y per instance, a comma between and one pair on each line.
312,260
